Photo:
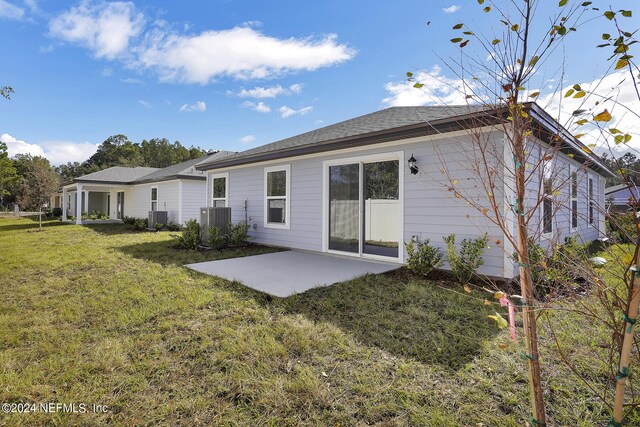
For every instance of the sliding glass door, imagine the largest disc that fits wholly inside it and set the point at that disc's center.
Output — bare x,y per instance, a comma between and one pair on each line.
381,208
364,208
344,208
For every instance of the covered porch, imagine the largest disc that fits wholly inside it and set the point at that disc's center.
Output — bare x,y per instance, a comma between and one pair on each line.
80,199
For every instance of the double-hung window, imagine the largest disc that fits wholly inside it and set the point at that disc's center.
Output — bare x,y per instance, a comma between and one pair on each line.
219,190
154,198
591,202
574,200
277,183
547,201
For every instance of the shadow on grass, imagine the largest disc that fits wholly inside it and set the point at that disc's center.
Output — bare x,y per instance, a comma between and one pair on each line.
110,229
31,225
166,253
430,321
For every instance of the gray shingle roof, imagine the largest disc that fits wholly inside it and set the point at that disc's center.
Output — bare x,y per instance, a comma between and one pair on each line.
184,169
390,118
126,175
118,174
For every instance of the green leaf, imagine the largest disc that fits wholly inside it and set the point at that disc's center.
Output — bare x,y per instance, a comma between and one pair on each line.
456,40
622,63
495,41
418,85
534,94
487,9
622,48
480,1
614,131
409,74
534,61
569,93
562,3
577,87
580,94
622,139
605,116
609,14
626,13
458,26
464,43
468,33
582,122
586,3
515,27
562,30
502,323
606,36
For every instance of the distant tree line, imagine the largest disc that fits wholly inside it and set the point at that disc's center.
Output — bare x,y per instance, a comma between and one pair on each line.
117,150
30,181
628,165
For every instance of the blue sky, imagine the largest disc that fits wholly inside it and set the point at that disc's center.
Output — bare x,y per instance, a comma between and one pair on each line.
225,74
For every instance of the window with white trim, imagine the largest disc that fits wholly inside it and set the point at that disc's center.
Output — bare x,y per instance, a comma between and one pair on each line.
591,203
574,199
154,198
547,202
277,195
219,185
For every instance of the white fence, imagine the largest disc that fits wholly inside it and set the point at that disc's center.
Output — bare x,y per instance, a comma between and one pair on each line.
381,219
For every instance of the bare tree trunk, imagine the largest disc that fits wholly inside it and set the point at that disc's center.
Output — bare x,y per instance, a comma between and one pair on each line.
627,343
526,285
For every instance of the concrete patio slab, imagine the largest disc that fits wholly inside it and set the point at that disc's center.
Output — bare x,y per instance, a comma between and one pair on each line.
283,274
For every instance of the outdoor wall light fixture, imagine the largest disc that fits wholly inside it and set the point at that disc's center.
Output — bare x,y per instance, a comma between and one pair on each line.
412,165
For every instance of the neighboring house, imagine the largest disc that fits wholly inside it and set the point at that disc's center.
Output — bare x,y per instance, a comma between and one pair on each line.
124,191
618,197
348,188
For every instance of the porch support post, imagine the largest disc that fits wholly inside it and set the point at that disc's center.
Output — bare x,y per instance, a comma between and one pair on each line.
63,204
79,204
86,202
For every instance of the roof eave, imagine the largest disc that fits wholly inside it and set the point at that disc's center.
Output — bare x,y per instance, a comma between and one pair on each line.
404,132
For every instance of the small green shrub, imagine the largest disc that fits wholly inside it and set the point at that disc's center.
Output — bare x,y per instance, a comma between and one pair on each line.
129,220
238,234
555,273
158,226
621,227
173,227
466,261
190,238
423,258
141,224
216,241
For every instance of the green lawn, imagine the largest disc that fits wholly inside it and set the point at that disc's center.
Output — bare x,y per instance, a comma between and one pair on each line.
102,315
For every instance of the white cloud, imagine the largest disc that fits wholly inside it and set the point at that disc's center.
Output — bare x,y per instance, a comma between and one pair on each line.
58,152
616,93
241,53
17,146
10,11
262,92
286,112
199,106
146,104
260,107
269,92
131,80
437,90
296,88
111,29
247,139
451,9
105,28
